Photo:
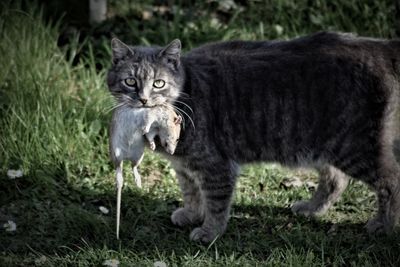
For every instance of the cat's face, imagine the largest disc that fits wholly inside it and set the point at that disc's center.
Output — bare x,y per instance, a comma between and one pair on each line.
145,76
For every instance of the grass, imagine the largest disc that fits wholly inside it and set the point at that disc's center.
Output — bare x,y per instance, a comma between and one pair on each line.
54,111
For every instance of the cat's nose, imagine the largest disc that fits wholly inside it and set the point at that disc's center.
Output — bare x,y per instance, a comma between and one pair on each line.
143,100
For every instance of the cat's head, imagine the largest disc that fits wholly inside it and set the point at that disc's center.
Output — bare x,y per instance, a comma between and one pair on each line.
145,76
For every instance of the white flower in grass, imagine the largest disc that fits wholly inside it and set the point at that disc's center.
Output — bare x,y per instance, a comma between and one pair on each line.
10,226
160,264
111,263
104,210
12,174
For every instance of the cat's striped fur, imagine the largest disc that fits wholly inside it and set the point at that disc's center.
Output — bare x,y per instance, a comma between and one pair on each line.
325,100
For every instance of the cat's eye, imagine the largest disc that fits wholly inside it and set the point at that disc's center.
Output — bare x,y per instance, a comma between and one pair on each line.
159,83
130,82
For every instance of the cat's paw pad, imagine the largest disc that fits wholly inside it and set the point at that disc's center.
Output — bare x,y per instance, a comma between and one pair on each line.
375,226
183,216
202,235
306,208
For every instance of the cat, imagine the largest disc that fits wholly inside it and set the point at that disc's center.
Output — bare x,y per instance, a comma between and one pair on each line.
326,101
128,129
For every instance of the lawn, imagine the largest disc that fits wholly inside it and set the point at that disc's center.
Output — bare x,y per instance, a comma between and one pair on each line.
54,114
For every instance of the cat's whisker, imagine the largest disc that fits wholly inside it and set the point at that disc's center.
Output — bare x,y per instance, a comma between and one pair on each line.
183,103
194,127
173,100
119,102
183,93
117,106
177,111
184,97
183,118
113,106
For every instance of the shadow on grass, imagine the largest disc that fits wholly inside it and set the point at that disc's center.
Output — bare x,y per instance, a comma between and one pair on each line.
64,219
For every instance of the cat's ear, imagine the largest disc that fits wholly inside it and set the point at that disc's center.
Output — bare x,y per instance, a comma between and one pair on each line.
172,53
120,50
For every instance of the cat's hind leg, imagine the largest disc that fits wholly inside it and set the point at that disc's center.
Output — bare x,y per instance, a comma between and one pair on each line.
380,171
332,183
387,187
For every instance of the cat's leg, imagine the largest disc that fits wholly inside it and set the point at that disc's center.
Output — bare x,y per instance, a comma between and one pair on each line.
387,186
192,210
380,171
332,183
217,183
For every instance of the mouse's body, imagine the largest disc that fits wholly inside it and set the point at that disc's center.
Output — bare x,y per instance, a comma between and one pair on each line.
129,129
126,137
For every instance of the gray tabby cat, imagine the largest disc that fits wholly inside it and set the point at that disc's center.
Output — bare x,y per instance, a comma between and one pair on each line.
326,101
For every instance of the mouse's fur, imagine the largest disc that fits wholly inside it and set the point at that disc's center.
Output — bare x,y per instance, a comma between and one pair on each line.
128,129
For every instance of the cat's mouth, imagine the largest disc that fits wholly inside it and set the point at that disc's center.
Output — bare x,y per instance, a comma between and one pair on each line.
134,103
147,106
138,104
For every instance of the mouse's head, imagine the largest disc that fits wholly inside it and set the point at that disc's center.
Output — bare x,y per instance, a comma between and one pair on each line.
170,135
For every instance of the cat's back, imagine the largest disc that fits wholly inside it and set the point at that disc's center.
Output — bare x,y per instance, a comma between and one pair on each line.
321,43
277,95
260,65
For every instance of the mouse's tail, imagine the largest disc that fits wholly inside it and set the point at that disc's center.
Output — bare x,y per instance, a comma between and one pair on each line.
120,182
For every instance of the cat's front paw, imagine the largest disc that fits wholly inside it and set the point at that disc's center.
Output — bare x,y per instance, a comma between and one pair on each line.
182,217
307,208
203,235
